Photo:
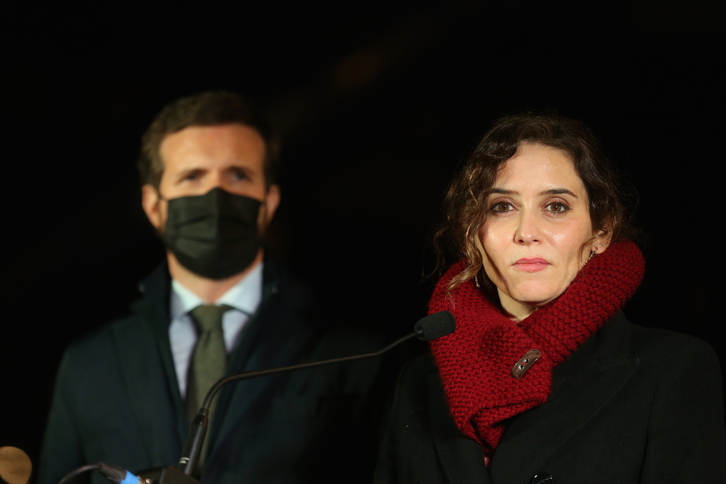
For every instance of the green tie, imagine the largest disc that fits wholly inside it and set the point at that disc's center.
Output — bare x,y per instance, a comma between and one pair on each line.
209,360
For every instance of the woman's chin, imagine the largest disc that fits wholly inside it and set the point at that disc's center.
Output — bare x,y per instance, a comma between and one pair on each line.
523,303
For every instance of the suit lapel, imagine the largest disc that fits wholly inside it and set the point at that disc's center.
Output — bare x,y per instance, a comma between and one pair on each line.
582,386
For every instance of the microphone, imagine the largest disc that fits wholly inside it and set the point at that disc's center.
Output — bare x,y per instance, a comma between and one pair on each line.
434,326
115,475
426,329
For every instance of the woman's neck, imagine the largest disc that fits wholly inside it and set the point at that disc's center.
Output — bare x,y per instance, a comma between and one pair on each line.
514,310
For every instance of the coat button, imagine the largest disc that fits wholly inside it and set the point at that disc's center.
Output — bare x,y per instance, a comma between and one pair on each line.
525,363
543,478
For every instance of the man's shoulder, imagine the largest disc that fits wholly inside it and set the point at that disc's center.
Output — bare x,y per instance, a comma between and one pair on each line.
135,319
418,369
99,342
346,340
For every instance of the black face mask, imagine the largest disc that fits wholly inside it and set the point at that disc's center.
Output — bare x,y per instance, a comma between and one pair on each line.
214,235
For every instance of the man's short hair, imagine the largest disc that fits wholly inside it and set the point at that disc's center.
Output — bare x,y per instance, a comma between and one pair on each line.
211,108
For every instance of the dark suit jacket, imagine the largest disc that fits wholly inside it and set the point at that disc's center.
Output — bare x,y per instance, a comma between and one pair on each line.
117,398
630,405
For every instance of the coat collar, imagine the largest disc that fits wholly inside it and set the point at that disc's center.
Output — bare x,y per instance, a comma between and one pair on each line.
156,289
582,385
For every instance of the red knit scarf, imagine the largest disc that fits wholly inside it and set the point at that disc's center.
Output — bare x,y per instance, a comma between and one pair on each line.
475,362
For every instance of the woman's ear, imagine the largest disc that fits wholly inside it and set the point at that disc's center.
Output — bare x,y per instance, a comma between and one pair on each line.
601,241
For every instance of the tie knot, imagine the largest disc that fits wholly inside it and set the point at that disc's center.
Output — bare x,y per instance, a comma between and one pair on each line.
209,316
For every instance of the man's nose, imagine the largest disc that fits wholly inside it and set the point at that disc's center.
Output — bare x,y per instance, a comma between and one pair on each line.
214,180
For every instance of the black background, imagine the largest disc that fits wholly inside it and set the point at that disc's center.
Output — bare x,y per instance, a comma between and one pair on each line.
378,102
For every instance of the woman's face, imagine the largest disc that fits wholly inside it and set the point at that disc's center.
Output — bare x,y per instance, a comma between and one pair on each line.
538,232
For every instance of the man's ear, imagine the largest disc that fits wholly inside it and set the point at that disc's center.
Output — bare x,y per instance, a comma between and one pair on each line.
150,204
272,200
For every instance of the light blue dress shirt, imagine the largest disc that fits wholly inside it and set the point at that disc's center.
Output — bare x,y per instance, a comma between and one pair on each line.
244,297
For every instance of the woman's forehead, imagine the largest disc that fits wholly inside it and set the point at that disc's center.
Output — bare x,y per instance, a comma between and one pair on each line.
537,167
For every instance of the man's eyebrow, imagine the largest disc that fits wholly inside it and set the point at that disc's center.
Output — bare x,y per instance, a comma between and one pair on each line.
192,167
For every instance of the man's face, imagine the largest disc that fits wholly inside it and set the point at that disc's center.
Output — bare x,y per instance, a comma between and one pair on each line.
200,158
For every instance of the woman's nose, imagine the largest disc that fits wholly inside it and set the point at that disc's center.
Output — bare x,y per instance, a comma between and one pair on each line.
528,229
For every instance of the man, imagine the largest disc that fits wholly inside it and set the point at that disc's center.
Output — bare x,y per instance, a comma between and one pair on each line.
125,394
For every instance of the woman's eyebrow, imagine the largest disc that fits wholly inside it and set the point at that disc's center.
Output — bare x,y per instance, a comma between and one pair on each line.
551,191
558,191
503,191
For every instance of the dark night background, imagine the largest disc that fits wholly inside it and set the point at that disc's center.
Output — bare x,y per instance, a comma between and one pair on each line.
377,103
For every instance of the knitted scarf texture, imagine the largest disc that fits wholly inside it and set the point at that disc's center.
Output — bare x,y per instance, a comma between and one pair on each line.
475,361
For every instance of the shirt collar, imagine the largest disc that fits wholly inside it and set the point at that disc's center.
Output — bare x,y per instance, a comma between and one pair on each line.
245,296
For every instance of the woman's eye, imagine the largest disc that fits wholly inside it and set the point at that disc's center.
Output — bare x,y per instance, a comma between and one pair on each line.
557,207
501,207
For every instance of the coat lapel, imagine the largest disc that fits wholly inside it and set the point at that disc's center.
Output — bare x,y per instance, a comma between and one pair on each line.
582,386
461,457
148,374
283,341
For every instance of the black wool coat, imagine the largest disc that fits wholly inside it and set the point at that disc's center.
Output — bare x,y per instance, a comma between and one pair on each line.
631,405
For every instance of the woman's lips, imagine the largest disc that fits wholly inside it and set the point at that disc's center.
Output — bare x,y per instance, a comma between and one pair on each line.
531,265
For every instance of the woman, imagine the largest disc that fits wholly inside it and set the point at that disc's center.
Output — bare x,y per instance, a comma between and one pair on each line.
544,380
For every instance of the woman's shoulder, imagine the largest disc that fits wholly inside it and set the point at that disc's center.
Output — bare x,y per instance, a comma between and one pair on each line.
654,353
673,359
664,347
621,338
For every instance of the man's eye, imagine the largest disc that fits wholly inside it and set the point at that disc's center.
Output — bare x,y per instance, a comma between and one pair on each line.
192,175
238,174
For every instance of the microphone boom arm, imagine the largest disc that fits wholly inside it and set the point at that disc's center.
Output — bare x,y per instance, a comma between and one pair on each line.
253,374
430,327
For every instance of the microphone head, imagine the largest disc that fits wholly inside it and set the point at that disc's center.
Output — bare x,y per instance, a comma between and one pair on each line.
435,325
